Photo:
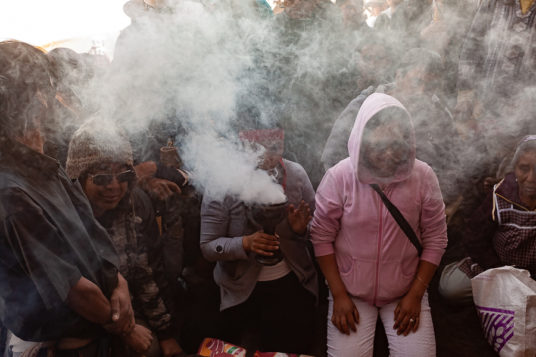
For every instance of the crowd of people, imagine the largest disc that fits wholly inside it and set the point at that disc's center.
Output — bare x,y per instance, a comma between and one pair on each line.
386,142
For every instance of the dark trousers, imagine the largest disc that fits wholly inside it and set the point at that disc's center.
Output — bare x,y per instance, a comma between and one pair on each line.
277,317
100,347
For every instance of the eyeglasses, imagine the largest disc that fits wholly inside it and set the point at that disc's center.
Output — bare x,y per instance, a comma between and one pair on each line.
106,179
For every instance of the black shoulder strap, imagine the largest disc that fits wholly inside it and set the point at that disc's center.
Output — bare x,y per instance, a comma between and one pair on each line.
399,218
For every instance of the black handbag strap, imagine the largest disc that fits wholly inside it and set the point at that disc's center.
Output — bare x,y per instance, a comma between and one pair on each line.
399,218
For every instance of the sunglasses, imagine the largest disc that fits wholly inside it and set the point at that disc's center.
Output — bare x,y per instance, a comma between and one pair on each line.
106,179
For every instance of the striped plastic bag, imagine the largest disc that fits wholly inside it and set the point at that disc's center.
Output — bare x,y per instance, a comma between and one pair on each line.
505,300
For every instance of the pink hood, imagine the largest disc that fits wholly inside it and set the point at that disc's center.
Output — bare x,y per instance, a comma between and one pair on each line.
375,259
372,105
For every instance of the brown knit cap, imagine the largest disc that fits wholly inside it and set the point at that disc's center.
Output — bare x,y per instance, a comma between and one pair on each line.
97,141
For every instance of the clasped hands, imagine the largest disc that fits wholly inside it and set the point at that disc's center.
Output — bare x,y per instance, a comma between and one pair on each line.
123,323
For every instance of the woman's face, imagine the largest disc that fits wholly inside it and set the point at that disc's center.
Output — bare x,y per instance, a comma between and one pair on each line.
385,149
271,156
525,172
106,186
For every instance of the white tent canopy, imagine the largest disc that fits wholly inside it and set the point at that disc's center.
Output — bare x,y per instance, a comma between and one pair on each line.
77,24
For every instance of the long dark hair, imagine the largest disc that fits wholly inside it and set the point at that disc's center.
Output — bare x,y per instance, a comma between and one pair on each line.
25,88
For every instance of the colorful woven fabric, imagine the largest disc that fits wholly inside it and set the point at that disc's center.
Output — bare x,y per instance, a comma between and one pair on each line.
277,354
212,347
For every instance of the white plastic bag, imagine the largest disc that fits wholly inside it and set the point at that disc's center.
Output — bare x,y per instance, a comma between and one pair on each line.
505,299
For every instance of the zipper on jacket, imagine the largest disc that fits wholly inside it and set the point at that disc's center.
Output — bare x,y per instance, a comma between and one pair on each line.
378,252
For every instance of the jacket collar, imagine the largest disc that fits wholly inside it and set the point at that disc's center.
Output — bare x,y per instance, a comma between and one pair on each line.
30,162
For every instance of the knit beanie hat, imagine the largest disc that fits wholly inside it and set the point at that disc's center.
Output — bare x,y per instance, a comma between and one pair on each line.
97,141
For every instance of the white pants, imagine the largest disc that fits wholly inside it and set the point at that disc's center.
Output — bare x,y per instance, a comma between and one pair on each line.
361,343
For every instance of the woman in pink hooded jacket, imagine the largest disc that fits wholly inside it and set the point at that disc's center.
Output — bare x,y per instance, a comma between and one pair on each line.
370,265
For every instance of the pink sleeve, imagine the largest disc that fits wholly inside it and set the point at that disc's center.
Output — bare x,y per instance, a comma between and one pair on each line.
433,220
328,212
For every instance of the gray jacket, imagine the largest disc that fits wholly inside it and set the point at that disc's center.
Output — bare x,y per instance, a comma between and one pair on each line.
224,223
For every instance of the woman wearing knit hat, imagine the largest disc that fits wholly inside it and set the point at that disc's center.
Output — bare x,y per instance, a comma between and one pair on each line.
100,157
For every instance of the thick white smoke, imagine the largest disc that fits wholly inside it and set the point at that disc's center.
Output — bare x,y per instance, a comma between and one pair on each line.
188,66
209,69
223,168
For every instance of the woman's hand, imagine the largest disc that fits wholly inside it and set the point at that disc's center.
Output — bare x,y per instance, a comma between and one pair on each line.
261,243
139,339
122,314
407,314
298,218
159,188
345,315
408,310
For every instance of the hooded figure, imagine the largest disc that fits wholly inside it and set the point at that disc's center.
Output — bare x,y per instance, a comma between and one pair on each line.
370,264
